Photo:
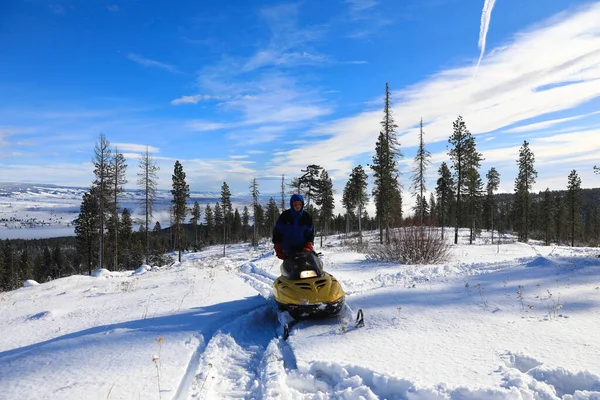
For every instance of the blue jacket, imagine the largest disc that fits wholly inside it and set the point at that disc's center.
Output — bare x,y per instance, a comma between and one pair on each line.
293,229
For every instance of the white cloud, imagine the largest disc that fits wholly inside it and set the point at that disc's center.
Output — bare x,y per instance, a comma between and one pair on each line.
197,98
146,62
505,92
549,123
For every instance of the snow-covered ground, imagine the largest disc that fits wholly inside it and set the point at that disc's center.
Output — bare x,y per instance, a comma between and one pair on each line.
516,321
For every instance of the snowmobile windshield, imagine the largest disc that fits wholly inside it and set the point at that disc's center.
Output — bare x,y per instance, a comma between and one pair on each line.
302,265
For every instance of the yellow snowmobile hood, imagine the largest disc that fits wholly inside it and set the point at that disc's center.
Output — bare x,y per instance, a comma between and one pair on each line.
309,291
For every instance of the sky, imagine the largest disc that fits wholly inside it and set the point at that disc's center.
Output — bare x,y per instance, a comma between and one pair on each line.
514,321
236,90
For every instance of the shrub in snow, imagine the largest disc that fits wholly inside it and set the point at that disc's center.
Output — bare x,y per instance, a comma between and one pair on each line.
412,245
30,282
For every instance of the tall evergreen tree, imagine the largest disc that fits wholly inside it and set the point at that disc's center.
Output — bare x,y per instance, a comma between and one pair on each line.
118,180
219,219
310,181
210,224
549,211
236,225
271,213
180,192
126,244
102,183
254,192
227,213
464,156
474,186
422,161
259,221
493,182
355,195
386,192
523,184
194,221
574,204
445,195
245,223
87,227
325,200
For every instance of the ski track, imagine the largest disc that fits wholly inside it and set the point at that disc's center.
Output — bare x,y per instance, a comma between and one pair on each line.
246,358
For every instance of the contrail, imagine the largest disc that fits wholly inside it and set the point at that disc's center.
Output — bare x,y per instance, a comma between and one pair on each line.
486,16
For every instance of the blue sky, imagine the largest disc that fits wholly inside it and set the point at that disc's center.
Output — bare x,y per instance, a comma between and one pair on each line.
243,89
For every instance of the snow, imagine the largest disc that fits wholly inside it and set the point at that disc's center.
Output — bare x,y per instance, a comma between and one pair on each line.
514,321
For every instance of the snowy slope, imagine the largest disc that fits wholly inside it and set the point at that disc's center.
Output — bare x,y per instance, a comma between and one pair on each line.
508,322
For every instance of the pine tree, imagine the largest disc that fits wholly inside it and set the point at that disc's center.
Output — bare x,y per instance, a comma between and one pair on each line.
219,219
259,221
126,238
388,200
523,184
574,204
464,158
180,192
236,225
433,209
87,227
147,177
227,212
210,225
474,186
549,211
325,200
254,192
355,195
422,161
194,221
271,213
118,180
102,183
310,181
445,195
245,223
493,182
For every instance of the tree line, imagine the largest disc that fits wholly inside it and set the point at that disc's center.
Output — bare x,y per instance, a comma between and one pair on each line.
105,237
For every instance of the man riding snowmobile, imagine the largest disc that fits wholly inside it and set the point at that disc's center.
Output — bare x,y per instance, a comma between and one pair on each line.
303,289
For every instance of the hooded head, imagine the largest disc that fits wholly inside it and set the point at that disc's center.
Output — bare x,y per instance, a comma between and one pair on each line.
296,197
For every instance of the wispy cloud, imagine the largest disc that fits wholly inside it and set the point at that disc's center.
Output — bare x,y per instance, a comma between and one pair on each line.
113,8
486,17
197,98
547,124
146,62
503,94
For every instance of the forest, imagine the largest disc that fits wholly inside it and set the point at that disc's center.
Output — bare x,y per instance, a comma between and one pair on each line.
105,238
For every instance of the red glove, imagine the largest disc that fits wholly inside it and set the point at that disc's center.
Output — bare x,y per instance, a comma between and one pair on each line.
308,246
279,251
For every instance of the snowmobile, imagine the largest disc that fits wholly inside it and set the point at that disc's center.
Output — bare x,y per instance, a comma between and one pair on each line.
304,290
